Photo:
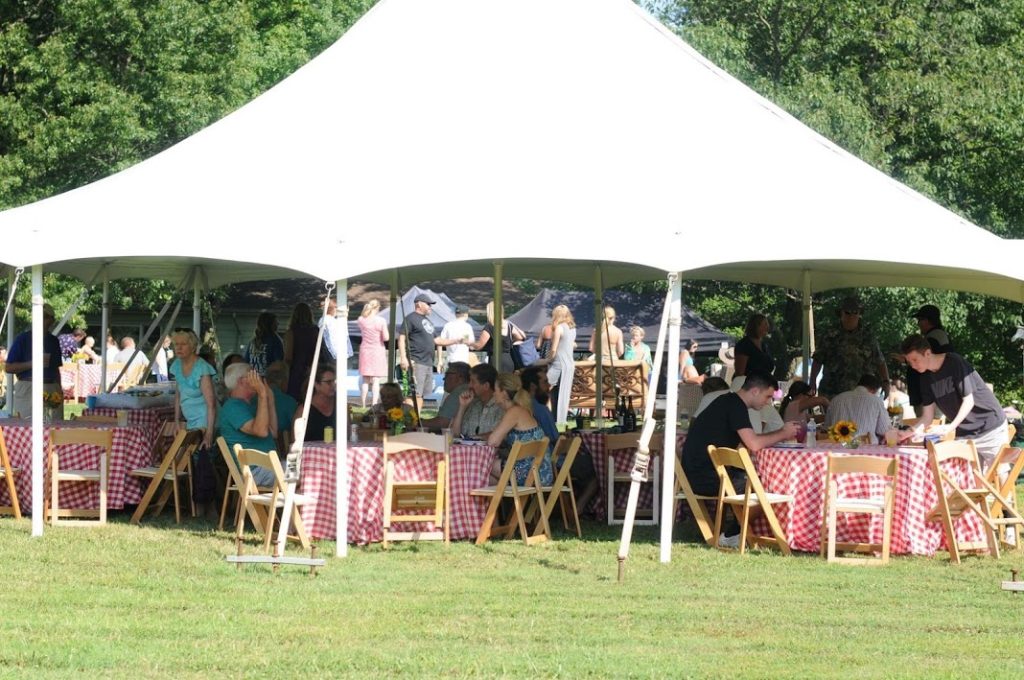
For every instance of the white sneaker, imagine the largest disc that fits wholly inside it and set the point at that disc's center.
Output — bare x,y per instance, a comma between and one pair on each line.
732,542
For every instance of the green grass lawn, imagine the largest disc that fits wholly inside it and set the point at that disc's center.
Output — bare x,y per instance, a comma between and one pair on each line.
160,601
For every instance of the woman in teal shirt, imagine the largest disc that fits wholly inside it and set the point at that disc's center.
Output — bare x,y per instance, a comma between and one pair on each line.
194,380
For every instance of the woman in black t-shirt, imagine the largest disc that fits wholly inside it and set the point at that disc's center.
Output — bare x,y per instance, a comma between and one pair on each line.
752,355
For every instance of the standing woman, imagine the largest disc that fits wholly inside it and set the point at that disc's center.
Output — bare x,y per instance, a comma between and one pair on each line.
543,343
373,354
299,345
195,397
752,355
559,360
611,338
265,347
485,342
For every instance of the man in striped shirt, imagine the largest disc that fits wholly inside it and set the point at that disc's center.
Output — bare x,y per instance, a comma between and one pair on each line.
863,407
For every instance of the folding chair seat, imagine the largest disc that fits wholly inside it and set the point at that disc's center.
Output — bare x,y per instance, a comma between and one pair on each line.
175,466
754,497
888,469
565,496
421,499
697,503
7,473
956,501
61,441
508,487
626,442
270,501
1006,485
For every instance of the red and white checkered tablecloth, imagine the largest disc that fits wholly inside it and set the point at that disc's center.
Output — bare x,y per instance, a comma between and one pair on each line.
131,449
801,473
150,418
82,380
470,469
623,458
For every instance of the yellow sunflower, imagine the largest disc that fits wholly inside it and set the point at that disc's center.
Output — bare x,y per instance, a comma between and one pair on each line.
843,431
395,414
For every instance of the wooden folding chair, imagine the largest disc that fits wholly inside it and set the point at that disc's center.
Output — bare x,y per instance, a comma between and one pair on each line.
888,468
625,442
753,497
61,437
565,496
507,487
233,484
424,500
959,501
7,473
1007,487
175,466
696,502
271,500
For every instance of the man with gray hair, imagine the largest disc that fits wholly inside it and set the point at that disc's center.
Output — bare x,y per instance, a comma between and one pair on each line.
248,417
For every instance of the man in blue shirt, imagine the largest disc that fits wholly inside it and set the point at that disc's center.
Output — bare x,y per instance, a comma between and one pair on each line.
535,382
20,363
247,416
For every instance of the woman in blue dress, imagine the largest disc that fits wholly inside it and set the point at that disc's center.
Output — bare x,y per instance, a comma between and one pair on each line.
517,425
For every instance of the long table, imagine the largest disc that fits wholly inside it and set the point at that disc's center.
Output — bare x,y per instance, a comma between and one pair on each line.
801,473
470,469
132,448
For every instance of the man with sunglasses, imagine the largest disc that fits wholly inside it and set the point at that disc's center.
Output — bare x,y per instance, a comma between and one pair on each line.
847,352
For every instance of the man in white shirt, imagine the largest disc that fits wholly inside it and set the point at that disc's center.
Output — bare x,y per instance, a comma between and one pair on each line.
458,329
333,331
128,354
863,407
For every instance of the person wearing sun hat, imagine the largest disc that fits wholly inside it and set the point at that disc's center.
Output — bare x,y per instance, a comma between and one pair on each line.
929,321
847,352
20,363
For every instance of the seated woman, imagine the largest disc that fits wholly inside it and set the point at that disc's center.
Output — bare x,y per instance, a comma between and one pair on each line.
798,402
518,424
390,397
322,405
687,371
637,349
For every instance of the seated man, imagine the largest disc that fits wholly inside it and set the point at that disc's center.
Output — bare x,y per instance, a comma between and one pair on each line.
128,355
726,422
484,414
863,407
712,388
765,419
456,381
285,405
247,416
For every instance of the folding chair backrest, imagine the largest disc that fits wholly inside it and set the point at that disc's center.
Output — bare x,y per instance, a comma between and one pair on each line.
264,459
631,440
412,441
723,458
80,435
520,451
872,465
962,449
229,460
568,447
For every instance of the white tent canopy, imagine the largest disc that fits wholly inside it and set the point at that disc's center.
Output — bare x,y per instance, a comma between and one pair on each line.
474,130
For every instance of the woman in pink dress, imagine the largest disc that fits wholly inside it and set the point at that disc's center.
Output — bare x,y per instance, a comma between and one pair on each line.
373,354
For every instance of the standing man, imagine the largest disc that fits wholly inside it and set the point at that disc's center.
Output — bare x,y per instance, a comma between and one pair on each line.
461,335
952,384
20,363
726,422
333,332
847,353
416,347
930,323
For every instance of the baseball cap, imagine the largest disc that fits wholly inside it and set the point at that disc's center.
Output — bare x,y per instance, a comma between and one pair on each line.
930,312
851,303
423,297
461,309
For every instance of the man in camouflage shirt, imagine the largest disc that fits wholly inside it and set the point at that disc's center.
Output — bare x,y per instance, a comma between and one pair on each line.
847,353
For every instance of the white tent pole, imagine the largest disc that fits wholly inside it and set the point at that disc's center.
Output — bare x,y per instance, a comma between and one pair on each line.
805,308
671,417
393,344
196,316
645,438
598,338
9,377
341,436
104,331
499,314
38,366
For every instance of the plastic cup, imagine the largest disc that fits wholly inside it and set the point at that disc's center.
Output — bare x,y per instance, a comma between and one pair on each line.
892,438
122,418
328,434
90,401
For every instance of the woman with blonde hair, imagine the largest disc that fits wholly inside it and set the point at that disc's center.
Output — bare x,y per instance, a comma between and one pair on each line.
517,425
559,361
611,337
373,353
637,349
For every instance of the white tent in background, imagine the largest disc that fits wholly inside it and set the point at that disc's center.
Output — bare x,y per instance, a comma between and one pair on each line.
563,139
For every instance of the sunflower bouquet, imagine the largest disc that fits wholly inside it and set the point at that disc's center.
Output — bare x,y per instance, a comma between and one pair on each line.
400,419
843,432
53,399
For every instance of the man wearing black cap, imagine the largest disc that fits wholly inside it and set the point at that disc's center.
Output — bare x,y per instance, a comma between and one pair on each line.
848,352
416,347
930,323
460,334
